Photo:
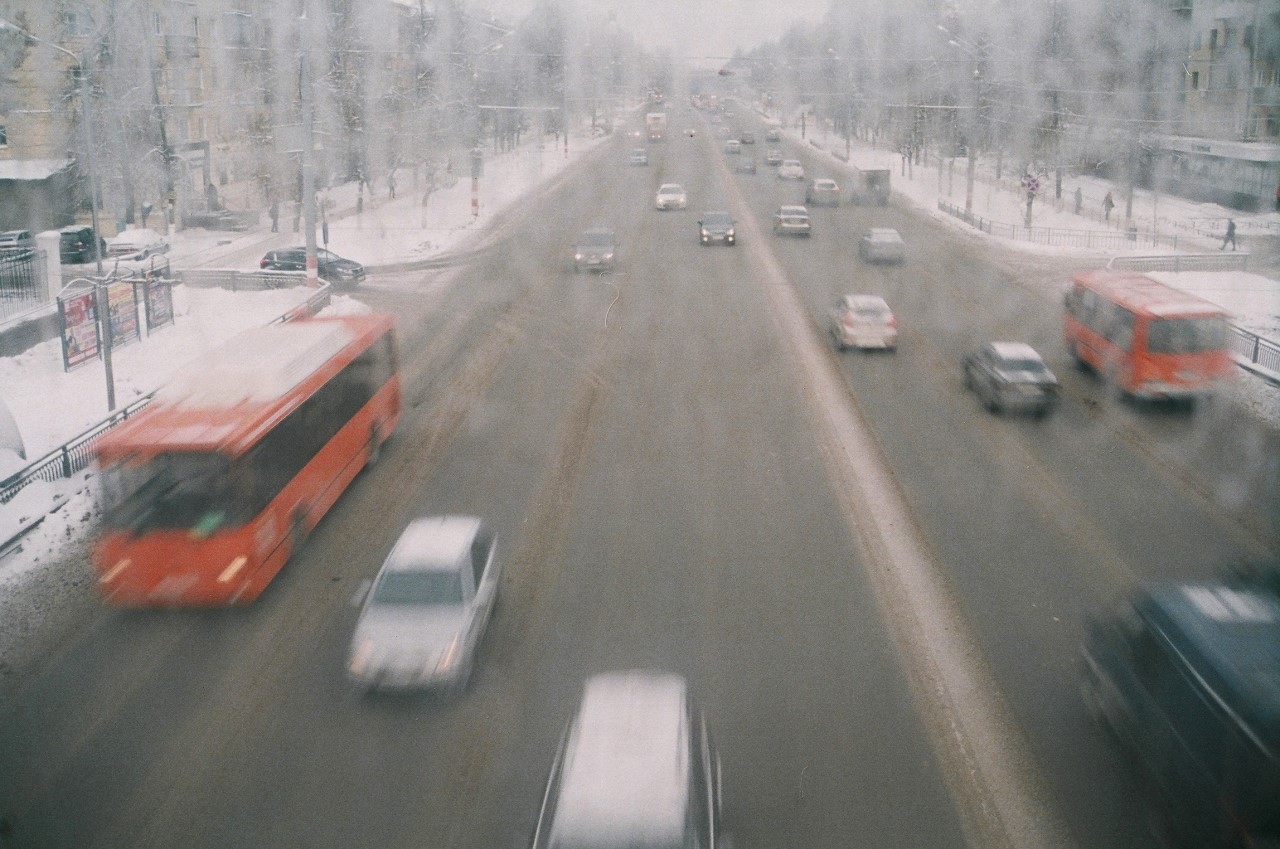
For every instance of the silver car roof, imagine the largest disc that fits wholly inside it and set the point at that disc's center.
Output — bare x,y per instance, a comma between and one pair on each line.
626,768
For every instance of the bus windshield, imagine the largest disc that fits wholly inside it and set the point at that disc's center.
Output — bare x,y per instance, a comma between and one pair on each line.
1187,335
169,491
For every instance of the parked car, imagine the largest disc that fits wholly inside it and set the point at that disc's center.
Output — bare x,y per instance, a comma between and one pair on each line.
427,610
17,244
1010,377
330,267
791,169
732,146
716,227
882,244
636,767
137,243
863,321
640,156
792,221
595,250
822,192
1182,677
772,157
746,165
671,196
75,245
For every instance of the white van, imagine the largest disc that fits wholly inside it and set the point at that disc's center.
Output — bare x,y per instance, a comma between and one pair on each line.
636,769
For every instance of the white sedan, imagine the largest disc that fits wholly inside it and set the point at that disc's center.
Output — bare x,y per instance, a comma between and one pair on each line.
791,169
136,243
428,608
671,196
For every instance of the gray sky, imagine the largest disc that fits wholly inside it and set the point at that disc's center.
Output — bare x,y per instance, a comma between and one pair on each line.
697,28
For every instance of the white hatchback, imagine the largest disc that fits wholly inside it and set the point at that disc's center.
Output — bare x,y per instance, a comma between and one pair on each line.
863,321
671,196
791,169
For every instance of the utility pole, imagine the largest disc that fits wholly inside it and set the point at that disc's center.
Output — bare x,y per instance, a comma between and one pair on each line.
308,142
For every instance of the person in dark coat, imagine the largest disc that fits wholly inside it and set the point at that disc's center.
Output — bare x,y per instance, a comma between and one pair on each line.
1231,235
274,212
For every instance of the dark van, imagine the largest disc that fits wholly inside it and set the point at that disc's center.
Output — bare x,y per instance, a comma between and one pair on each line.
1187,679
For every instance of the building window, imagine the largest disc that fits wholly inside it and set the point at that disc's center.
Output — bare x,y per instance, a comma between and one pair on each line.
77,23
4,136
1213,39
157,23
1195,80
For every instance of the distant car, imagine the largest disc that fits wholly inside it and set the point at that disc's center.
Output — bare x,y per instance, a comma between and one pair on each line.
773,157
732,146
424,616
773,134
595,250
716,227
75,245
746,165
822,192
792,221
747,137
330,267
791,169
863,321
639,156
17,244
671,196
882,244
136,243
1010,377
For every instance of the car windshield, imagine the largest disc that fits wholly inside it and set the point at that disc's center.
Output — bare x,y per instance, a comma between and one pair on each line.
424,587
716,219
172,491
596,240
1021,364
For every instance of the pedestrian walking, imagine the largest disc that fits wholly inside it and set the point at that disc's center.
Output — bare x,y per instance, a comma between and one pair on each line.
1231,235
1079,200
1108,204
391,184
274,212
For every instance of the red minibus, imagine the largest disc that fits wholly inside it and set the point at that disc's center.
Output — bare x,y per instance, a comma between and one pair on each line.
212,487
1149,340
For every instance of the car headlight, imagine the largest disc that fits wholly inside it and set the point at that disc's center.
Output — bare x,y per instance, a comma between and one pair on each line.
449,660
729,233
608,257
361,657
705,234
578,256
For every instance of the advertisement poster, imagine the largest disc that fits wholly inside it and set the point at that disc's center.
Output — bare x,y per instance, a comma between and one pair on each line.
79,328
159,303
122,306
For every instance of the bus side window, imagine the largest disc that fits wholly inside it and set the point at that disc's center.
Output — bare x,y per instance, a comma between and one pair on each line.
1120,329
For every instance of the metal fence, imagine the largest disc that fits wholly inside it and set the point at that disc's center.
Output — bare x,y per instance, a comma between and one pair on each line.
1218,261
1061,237
22,282
1258,350
241,281
74,456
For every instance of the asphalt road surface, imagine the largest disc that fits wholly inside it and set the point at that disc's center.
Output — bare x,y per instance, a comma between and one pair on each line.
649,446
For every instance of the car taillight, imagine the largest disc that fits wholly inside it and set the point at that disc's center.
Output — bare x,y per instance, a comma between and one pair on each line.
893,321
262,263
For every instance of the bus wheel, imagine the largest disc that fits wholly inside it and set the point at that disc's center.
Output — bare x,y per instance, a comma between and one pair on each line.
1080,363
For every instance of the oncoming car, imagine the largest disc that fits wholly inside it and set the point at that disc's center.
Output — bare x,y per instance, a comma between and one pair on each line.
792,221
639,156
428,607
136,243
864,321
671,196
1010,377
595,250
882,244
773,157
330,267
716,227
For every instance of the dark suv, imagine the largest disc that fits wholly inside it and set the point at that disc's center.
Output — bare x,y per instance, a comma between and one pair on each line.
1186,677
332,268
75,244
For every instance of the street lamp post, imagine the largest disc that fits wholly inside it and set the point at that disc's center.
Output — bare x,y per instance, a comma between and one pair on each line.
82,85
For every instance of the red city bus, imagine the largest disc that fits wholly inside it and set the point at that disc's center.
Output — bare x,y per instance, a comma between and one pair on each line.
1147,339
212,487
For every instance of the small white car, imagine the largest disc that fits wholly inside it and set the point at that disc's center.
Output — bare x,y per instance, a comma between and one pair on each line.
671,196
136,243
792,220
863,321
791,169
424,616
732,146
882,244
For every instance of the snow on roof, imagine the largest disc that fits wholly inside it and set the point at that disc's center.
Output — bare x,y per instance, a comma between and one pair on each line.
1014,351
31,169
433,542
626,771
259,365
